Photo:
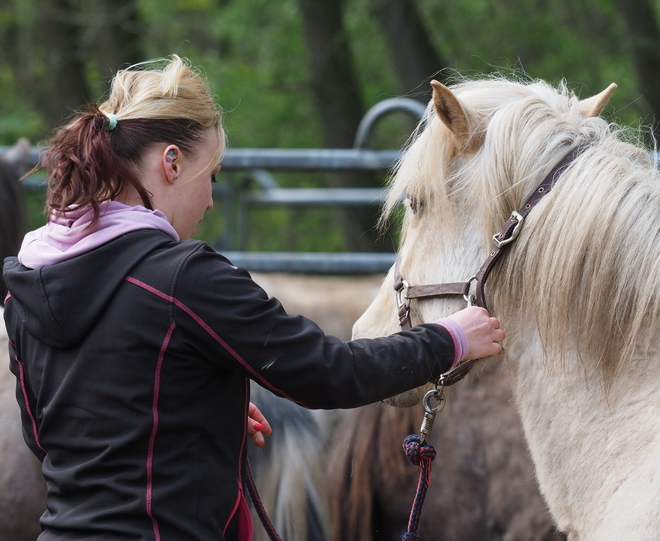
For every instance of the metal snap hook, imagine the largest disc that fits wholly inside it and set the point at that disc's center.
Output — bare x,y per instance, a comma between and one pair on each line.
430,411
438,395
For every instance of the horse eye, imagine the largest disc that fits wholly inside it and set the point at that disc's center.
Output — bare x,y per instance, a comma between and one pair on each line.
414,205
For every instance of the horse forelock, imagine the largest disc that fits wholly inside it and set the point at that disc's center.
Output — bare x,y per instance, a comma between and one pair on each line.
587,265
516,118
423,176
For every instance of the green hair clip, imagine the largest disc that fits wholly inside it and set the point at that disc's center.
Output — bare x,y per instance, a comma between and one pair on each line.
112,120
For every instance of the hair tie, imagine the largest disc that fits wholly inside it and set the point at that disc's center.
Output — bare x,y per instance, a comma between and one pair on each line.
112,120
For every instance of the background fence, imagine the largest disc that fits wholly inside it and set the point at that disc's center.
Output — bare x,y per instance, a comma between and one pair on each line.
258,189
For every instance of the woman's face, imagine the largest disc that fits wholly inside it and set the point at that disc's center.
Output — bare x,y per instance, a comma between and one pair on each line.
192,193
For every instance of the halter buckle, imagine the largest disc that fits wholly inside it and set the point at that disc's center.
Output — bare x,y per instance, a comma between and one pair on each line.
470,298
516,217
401,299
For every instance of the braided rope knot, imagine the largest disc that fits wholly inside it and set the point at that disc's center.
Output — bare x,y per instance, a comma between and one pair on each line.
421,455
416,452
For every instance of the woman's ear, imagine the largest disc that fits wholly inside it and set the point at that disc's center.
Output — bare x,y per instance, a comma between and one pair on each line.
171,167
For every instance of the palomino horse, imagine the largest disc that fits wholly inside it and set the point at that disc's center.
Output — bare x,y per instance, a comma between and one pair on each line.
576,291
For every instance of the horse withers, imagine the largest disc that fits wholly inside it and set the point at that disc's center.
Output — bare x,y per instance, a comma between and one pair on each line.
576,292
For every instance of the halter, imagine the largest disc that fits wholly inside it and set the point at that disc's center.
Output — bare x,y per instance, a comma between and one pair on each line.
509,232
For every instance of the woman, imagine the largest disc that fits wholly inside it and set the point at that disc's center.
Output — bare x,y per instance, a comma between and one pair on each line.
133,346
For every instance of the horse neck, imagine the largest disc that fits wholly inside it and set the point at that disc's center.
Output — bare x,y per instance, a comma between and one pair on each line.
587,440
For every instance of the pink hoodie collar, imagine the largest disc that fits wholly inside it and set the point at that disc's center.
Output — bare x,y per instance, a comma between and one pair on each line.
68,235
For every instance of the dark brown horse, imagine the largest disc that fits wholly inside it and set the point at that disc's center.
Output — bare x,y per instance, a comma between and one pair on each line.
13,214
22,489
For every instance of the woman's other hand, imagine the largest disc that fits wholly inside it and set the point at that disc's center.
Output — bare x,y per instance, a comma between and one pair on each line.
258,426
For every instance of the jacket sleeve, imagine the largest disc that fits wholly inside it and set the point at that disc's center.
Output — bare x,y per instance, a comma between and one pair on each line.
233,323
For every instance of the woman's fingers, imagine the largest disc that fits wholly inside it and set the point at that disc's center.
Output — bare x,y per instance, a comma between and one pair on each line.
257,426
482,331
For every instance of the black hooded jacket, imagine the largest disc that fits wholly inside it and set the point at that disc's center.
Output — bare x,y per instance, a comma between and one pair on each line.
133,363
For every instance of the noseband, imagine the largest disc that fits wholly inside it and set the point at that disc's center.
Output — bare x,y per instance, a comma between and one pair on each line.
405,292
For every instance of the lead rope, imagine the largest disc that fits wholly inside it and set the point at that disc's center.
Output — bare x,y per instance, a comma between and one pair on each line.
420,453
258,506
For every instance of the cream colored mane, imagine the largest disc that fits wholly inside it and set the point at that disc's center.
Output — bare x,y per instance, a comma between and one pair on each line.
586,267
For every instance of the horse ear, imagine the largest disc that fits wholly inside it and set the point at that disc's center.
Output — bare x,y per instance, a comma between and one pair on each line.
456,116
594,105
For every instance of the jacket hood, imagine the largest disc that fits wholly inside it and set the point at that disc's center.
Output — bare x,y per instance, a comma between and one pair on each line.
58,304
70,234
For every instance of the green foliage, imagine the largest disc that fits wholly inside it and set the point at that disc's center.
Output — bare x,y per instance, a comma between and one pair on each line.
253,53
580,41
377,79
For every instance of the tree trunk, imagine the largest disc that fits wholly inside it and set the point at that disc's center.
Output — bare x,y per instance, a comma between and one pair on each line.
332,76
644,36
65,71
338,102
412,54
18,45
117,27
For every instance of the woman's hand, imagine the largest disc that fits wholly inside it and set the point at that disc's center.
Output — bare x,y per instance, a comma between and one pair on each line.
258,426
483,332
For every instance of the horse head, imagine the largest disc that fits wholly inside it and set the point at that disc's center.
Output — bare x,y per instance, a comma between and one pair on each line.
477,155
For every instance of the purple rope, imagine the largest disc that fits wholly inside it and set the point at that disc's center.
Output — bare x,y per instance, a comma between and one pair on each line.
419,454
258,506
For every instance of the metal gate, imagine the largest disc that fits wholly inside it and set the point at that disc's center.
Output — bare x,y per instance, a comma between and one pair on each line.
257,166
